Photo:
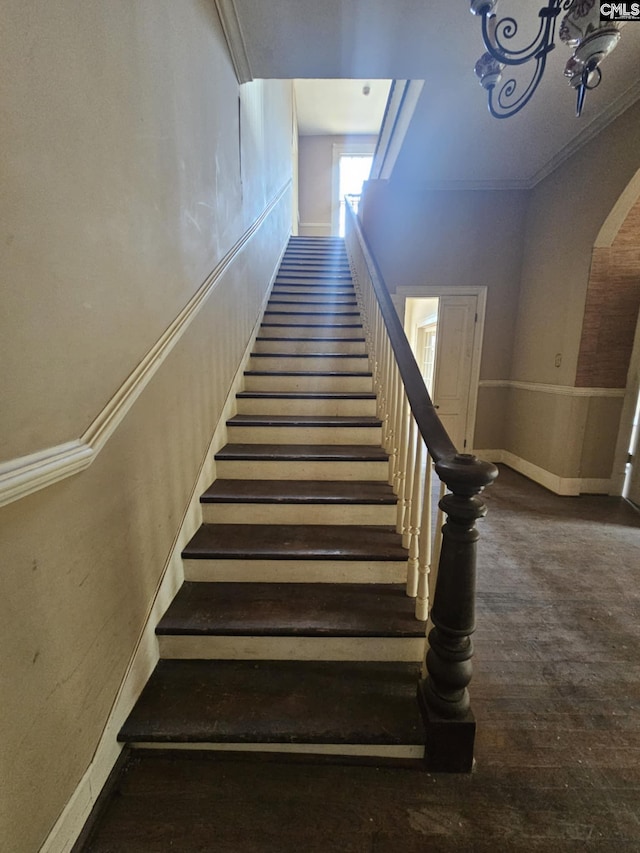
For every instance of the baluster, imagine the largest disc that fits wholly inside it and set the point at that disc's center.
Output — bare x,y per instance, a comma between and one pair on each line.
404,519
401,472
385,390
424,549
443,694
414,520
393,421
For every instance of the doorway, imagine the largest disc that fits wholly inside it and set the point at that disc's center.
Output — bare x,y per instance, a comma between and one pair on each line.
445,334
351,168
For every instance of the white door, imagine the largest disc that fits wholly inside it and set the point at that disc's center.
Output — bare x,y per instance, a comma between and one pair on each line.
452,387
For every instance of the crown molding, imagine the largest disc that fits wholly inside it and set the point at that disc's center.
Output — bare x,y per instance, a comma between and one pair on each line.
613,111
235,39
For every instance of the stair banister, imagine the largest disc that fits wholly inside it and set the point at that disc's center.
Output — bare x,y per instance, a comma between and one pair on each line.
447,593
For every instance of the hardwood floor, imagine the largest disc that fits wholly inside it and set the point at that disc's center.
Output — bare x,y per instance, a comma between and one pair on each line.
556,694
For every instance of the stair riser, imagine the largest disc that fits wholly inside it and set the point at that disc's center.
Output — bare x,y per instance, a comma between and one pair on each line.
310,346
344,290
304,435
270,329
296,571
406,751
328,297
240,469
404,649
355,363
311,306
309,383
291,513
317,406
305,270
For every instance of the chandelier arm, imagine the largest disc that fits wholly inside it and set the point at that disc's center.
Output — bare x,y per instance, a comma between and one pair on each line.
507,28
497,99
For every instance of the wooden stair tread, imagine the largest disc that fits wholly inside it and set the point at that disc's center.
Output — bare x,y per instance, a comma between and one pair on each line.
336,373
251,701
306,395
316,340
304,421
328,355
295,542
303,452
300,492
291,610
313,326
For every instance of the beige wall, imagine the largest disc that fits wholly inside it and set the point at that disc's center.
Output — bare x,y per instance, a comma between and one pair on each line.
315,175
124,188
533,251
566,212
440,239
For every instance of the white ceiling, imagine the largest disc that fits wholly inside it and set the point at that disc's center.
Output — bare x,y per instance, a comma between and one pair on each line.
340,106
452,137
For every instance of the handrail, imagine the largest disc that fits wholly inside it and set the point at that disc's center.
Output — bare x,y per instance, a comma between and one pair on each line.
429,424
441,569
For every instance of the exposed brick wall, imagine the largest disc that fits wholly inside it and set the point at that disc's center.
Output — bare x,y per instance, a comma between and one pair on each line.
629,233
611,309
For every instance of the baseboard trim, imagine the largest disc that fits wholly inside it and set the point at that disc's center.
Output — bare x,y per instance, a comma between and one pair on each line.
567,486
146,655
27,474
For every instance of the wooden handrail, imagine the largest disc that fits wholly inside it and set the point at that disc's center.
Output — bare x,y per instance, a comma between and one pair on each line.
429,424
443,694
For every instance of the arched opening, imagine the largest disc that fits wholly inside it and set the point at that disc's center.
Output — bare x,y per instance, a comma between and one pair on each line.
607,356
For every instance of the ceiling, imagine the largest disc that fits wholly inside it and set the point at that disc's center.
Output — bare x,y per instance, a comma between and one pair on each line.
452,138
340,106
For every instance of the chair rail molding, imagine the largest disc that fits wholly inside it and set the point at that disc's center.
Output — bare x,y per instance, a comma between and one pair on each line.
24,475
560,390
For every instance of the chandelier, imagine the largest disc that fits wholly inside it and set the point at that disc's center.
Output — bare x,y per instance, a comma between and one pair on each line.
581,30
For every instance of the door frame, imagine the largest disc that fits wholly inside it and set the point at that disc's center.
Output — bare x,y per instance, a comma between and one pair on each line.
340,149
480,292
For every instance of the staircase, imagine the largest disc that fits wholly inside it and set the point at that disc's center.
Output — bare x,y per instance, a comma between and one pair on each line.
293,631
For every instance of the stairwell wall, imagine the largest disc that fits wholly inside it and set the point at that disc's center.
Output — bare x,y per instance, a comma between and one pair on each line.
134,163
533,251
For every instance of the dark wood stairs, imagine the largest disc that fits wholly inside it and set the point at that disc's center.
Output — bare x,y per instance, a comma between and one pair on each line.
292,630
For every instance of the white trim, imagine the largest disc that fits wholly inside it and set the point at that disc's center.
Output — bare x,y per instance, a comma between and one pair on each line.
568,486
560,390
27,474
480,292
235,40
314,225
614,221
588,132
146,654
401,105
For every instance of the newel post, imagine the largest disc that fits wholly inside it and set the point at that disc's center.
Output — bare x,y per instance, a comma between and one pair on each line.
443,694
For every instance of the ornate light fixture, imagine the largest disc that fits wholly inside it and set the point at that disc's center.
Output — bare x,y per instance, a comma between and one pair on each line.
581,30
